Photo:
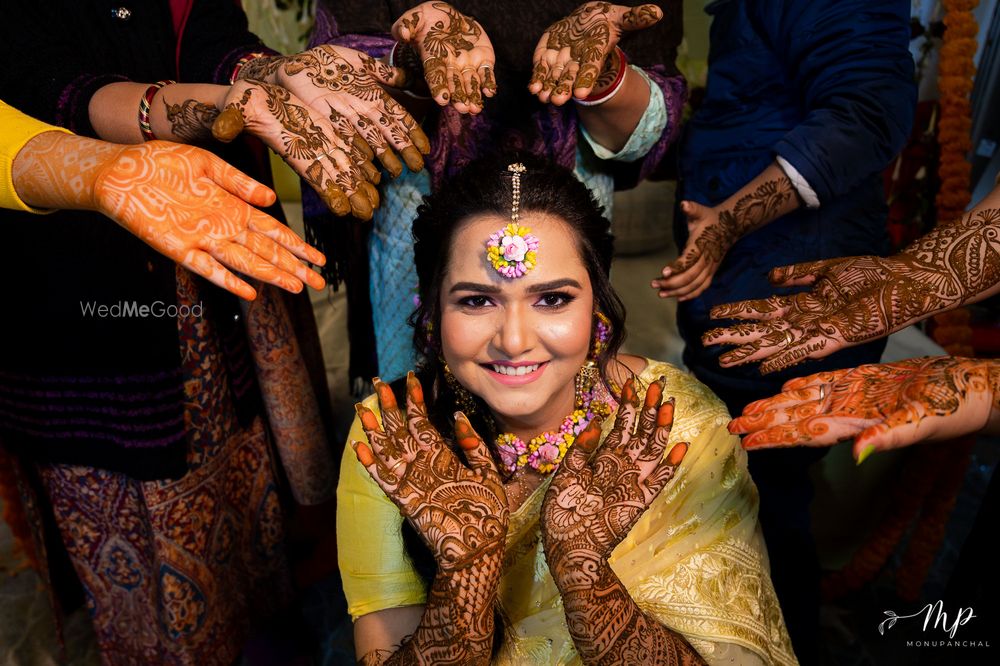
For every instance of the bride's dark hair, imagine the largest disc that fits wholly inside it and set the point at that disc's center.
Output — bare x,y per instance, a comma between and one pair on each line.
486,186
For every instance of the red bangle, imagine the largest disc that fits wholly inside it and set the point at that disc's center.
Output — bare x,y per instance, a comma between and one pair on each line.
612,90
144,104
242,61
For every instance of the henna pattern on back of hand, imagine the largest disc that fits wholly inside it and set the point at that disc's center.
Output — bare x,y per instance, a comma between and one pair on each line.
594,500
733,223
460,513
857,299
319,154
348,84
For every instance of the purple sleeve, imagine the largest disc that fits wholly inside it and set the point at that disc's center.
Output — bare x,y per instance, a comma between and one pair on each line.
326,31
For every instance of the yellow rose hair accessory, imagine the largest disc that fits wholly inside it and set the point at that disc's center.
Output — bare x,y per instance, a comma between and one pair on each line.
512,250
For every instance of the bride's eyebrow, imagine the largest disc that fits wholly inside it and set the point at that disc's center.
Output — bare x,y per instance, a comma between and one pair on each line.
553,285
475,286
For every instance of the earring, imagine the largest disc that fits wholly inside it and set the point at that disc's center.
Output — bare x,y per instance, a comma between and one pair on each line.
427,335
589,375
600,335
462,396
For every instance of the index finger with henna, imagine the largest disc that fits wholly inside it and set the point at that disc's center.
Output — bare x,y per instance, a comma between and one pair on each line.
621,432
763,308
819,430
421,429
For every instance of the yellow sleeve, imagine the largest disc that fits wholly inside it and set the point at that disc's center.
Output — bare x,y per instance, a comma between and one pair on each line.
374,567
16,129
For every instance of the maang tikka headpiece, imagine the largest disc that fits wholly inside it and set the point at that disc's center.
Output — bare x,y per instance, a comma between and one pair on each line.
512,250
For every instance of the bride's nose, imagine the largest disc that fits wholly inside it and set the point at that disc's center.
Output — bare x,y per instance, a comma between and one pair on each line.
515,335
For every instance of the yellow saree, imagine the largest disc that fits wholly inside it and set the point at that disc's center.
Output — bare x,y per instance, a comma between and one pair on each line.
695,560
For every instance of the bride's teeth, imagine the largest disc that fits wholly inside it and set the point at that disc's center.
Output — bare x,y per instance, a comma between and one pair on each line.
512,371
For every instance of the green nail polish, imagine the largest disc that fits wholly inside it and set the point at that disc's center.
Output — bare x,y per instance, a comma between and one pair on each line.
865,452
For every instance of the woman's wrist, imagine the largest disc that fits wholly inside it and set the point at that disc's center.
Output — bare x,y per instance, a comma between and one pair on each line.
610,81
576,571
42,174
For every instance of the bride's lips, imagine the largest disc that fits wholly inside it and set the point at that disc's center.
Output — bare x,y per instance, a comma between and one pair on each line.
514,374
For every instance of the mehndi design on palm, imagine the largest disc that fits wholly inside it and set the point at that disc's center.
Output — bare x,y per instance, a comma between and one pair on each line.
572,55
857,299
882,406
594,500
460,512
455,51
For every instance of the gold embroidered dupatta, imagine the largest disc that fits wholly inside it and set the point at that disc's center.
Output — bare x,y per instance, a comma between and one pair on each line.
695,560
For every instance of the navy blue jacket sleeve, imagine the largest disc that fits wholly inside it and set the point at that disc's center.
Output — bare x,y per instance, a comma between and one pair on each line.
851,63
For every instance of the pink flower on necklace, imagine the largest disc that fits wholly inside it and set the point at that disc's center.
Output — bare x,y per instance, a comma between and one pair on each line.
548,453
508,456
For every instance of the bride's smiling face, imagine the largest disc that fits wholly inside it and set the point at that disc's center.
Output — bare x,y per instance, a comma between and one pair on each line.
517,343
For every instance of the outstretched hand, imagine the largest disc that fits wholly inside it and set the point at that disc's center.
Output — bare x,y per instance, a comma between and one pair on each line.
460,513
881,406
595,498
852,300
456,53
344,86
194,208
572,56
326,158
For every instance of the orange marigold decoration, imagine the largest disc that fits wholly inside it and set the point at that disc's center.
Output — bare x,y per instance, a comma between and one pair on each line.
952,331
955,72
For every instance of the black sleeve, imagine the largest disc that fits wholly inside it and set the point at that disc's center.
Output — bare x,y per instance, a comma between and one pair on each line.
214,37
48,72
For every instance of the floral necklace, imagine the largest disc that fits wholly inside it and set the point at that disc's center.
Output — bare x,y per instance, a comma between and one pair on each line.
545,451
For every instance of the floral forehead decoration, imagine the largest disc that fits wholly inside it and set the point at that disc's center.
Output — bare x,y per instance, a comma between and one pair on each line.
512,250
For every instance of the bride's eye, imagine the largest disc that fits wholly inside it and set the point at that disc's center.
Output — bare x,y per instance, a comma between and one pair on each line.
475,302
555,299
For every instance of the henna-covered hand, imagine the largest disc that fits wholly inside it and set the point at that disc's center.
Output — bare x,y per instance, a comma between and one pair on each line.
593,501
857,299
325,157
456,53
460,513
853,300
572,56
345,87
881,406
714,230
183,201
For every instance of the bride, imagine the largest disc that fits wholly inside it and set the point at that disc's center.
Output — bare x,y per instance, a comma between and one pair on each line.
544,498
